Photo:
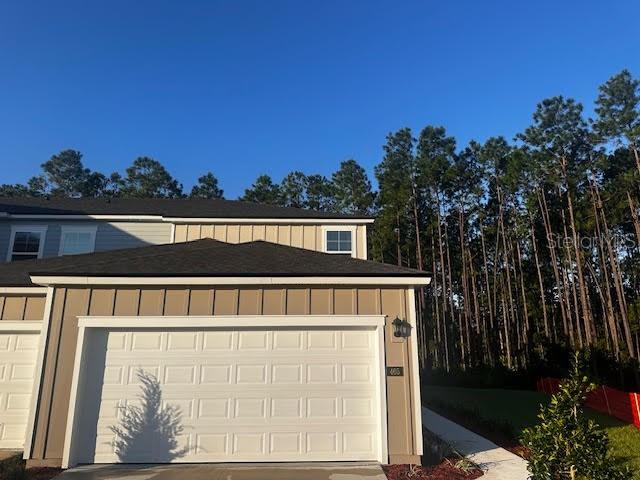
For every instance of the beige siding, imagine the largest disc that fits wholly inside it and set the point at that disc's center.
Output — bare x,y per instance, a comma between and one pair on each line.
21,307
301,236
71,302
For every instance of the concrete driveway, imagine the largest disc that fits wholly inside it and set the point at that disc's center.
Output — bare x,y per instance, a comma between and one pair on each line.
265,471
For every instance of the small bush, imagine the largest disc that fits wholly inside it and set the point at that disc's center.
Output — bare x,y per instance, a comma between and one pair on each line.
565,444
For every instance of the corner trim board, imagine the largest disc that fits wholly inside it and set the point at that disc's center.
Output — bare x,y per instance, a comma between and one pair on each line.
415,375
37,383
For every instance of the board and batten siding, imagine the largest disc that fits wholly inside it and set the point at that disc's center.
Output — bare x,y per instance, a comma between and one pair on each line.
109,235
69,303
21,307
301,236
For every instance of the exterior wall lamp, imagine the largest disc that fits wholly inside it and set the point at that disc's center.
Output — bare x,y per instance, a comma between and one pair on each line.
401,328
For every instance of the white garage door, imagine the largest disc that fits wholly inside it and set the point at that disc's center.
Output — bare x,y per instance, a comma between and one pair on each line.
245,395
18,352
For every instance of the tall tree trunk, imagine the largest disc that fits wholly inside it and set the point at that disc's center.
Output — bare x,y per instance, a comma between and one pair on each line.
445,295
463,359
436,304
505,325
554,260
606,293
584,298
634,216
488,296
568,267
617,276
636,155
398,249
486,276
465,287
525,337
543,301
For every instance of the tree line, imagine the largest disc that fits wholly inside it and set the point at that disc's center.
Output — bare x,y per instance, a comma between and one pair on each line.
348,191
533,243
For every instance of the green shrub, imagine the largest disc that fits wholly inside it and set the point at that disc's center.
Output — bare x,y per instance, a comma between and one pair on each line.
565,444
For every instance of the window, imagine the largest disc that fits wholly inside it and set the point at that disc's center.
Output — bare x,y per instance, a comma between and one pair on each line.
27,242
75,240
338,241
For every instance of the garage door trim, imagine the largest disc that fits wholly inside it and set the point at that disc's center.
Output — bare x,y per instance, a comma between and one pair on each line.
86,323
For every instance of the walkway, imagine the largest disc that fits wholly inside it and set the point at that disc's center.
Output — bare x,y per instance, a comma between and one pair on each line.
496,462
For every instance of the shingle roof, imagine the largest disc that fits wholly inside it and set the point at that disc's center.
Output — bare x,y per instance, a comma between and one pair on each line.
203,258
168,207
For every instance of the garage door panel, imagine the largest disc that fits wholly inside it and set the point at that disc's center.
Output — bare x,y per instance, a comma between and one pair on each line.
252,446
316,341
247,395
18,352
245,373
286,411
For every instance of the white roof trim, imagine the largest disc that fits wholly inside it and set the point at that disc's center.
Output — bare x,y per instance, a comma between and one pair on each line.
24,290
187,220
20,326
235,321
157,218
84,280
285,220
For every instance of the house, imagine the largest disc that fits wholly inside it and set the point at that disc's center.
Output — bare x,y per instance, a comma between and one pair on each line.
150,331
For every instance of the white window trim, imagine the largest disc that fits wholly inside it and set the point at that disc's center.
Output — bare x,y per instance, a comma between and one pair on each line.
90,229
41,229
341,228
88,323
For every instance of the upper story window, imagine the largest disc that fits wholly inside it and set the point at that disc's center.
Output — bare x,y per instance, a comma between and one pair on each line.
27,242
75,240
339,240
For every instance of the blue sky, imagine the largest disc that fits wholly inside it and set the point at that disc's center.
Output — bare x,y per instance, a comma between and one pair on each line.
268,86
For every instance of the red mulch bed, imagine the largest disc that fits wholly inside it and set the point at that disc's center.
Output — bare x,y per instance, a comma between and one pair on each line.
444,471
520,451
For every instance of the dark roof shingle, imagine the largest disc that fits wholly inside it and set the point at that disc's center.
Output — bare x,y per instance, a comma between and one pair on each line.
168,207
203,258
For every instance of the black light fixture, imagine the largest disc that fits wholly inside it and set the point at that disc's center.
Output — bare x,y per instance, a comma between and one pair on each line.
401,328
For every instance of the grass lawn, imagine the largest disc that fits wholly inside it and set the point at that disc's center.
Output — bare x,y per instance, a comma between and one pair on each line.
519,408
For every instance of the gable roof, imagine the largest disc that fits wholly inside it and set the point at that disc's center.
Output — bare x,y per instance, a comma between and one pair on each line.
203,258
166,207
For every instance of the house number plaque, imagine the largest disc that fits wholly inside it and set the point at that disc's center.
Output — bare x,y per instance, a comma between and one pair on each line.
395,371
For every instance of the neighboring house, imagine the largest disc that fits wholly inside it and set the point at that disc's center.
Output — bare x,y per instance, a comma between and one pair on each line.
254,333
